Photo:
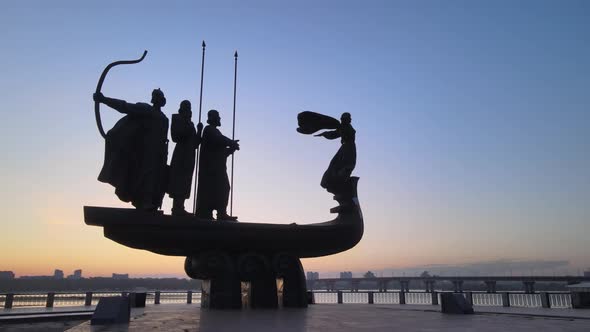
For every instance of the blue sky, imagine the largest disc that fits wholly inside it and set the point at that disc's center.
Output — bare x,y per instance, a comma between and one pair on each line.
472,120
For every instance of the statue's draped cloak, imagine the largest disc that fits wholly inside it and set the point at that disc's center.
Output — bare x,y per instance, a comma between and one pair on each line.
136,153
310,122
183,158
344,161
214,187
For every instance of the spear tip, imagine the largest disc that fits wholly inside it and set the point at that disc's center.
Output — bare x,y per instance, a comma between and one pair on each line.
204,44
236,55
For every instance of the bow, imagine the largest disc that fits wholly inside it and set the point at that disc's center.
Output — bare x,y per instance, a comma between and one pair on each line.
99,87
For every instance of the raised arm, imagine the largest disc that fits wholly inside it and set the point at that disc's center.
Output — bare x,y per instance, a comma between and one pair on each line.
214,137
123,106
332,134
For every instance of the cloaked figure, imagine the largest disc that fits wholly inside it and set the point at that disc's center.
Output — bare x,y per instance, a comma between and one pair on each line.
187,140
136,151
213,190
337,176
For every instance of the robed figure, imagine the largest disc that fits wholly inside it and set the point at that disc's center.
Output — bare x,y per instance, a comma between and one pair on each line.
214,187
187,140
136,151
342,164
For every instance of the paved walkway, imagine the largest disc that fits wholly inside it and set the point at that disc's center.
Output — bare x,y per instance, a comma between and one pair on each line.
341,318
520,311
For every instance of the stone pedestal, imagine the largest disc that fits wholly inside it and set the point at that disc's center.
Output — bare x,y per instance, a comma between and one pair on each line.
249,280
112,310
580,300
580,294
452,303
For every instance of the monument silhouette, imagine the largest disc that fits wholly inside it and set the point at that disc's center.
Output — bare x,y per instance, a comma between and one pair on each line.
187,141
225,254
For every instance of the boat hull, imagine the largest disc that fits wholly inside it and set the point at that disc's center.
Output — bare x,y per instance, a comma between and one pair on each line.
189,236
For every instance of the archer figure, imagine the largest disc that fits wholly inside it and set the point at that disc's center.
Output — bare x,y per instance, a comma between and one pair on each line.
136,151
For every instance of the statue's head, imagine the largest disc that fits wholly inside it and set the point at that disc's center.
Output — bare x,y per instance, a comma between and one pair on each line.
213,118
185,109
345,118
158,98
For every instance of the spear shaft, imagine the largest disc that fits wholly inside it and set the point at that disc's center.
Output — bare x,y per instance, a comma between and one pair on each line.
233,133
199,150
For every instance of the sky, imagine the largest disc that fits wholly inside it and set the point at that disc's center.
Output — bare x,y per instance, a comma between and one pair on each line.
472,122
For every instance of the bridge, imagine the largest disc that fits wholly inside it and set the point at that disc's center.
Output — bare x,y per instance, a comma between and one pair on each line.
383,283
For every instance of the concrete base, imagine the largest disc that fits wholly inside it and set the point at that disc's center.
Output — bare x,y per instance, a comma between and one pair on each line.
581,300
336,317
137,300
112,310
451,303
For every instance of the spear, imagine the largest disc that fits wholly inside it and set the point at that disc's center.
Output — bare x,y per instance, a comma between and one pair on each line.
199,151
233,133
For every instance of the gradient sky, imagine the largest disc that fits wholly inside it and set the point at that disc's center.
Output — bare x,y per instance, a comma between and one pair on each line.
472,122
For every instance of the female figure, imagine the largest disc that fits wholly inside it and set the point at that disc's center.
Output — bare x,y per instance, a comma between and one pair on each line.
342,164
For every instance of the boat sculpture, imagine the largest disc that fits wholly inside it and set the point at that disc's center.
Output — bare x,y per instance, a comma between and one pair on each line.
225,254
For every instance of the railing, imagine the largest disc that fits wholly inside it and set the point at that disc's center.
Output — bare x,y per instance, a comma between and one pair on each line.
525,300
68,299
487,299
505,299
50,300
418,298
325,297
560,300
386,298
355,297
29,300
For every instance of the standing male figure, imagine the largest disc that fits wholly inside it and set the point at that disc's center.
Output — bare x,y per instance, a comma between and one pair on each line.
187,140
136,151
213,191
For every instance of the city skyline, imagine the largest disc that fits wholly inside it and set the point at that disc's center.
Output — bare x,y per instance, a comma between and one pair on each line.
493,268
471,119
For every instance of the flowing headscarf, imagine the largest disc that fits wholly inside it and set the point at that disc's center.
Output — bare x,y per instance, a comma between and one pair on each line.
311,122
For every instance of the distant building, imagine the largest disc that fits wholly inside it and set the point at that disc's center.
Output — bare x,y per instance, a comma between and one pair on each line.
120,276
4,275
313,275
58,274
346,275
587,273
369,274
77,275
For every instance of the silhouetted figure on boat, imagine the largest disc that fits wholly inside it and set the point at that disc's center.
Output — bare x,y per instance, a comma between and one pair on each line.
136,151
187,140
342,164
213,190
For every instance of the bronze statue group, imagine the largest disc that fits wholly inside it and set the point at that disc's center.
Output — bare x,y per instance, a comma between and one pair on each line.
136,156
136,153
